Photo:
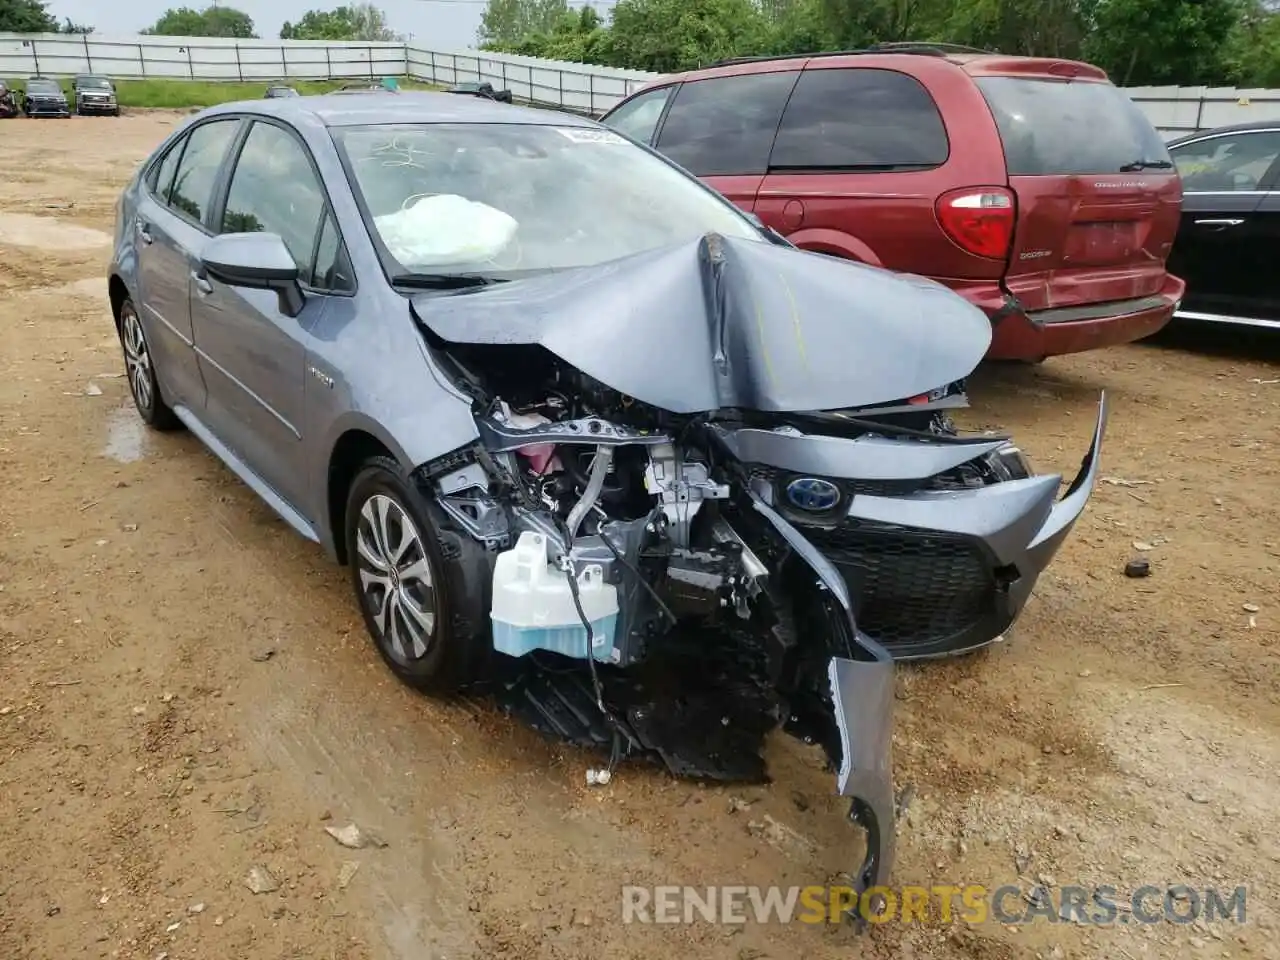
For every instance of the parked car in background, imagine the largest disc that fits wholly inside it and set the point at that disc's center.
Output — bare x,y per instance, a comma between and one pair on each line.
1032,187
94,94
481,89
44,98
280,90
8,102
1228,248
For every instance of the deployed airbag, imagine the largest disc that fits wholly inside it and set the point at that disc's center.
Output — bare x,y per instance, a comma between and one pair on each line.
445,229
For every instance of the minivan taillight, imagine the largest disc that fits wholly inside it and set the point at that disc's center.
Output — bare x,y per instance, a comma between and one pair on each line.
979,220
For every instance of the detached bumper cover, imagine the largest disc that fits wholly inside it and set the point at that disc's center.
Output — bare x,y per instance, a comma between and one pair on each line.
929,571
862,702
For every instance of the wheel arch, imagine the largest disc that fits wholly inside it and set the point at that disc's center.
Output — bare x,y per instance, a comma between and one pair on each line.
118,291
354,447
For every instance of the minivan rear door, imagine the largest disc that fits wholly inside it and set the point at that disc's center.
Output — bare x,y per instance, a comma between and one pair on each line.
1098,197
721,130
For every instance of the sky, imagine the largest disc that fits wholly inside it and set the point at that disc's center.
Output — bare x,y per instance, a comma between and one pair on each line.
436,24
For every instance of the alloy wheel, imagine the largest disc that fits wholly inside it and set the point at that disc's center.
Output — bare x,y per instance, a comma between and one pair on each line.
396,579
137,360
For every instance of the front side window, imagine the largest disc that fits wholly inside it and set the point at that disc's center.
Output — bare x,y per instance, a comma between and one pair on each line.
638,118
1227,164
198,169
510,199
332,271
275,190
725,125
859,119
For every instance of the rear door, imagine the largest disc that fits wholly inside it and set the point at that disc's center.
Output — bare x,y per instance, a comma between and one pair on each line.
721,129
1096,192
1226,246
854,171
170,227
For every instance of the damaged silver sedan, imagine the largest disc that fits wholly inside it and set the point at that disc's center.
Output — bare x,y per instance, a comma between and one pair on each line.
586,436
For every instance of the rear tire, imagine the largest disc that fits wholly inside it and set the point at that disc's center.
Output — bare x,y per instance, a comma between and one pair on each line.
422,587
140,369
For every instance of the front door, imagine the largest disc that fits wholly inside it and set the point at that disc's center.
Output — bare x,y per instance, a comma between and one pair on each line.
251,354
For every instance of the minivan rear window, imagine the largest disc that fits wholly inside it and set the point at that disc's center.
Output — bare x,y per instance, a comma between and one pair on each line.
1054,127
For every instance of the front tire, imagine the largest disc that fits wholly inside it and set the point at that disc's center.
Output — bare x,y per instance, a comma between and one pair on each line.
140,369
420,585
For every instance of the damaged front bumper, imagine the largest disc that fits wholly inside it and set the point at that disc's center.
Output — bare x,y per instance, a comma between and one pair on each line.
862,706
932,567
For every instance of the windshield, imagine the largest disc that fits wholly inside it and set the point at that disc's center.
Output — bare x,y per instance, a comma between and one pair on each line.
93,83
516,198
42,86
1052,127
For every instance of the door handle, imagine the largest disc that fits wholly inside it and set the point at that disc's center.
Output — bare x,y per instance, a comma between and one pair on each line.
203,286
1219,223
144,231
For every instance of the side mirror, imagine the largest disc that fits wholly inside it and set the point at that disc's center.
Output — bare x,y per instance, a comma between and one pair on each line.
258,261
503,96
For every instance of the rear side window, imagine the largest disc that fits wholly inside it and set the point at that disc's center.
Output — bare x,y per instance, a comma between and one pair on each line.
1057,128
198,171
161,177
860,119
725,125
637,118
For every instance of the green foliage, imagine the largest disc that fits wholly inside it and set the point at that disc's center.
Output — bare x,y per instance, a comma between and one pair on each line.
360,21
212,21
507,23
1136,41
75,28
1144,42
26,16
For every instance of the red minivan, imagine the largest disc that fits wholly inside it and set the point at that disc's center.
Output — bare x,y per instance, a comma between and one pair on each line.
1033,187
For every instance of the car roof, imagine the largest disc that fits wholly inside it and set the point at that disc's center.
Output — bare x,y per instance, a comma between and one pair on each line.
1231,128
972,62
384,106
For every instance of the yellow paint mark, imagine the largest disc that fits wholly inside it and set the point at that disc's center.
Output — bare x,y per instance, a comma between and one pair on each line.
764,344
795,321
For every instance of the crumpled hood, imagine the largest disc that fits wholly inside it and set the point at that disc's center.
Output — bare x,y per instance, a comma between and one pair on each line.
731,323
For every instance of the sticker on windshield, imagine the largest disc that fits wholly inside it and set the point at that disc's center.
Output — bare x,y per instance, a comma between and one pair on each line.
588,135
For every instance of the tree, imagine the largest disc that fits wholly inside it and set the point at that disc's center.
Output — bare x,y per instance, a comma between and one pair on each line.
361,21
1151,42
667,35
212,21
509,22
26,16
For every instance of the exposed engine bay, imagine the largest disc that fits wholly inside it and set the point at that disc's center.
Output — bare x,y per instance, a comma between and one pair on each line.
699,527
664,605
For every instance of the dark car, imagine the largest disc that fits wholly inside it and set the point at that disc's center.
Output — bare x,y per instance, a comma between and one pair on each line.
1032,187
1228,247
94,94
44,98
556,404
481,88
280,90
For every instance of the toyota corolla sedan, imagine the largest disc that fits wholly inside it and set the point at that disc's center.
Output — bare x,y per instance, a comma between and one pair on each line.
585,434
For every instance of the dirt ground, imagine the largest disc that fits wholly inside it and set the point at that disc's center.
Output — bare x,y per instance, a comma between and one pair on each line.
187,694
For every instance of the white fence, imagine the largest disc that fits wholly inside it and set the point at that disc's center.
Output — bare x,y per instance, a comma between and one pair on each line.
584,88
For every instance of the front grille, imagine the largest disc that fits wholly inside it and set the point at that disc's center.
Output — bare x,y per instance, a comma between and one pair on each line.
910,588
